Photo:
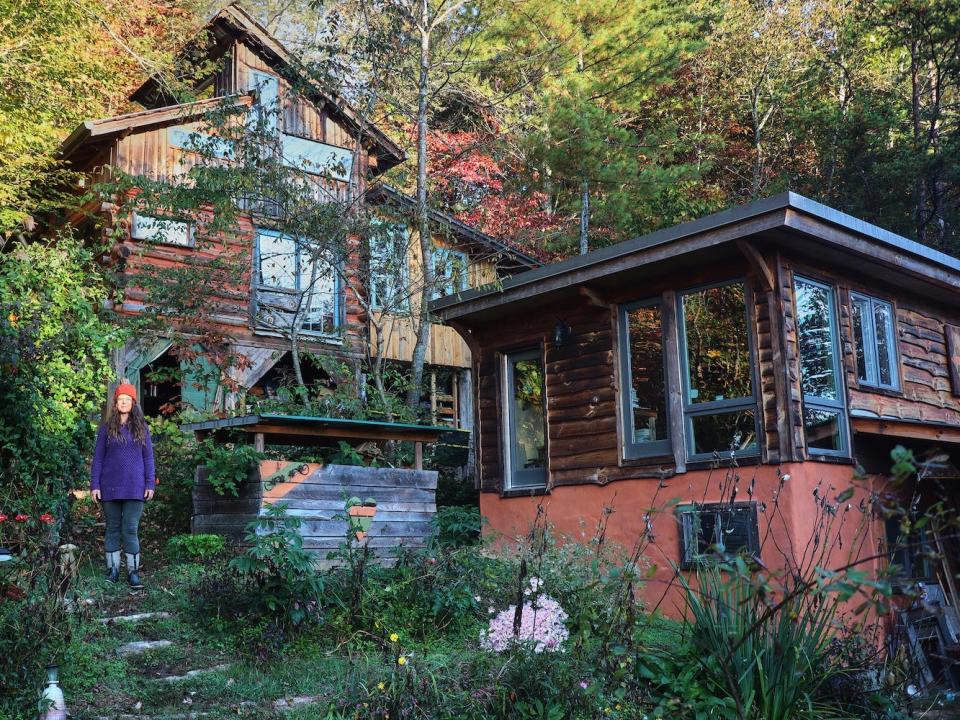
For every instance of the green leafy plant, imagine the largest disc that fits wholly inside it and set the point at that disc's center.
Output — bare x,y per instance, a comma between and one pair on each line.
457,526
228,466
200,548
283,573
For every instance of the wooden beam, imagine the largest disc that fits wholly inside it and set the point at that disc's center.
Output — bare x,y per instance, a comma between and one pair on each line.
259,443
758,263
418,455
592,297
345,433
896,428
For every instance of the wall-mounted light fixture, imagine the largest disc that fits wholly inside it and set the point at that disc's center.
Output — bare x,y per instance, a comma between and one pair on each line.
561,333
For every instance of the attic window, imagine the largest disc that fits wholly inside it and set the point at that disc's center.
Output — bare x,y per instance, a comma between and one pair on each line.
450,271
267,108
717,528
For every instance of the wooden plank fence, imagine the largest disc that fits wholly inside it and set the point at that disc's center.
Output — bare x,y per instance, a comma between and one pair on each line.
317,495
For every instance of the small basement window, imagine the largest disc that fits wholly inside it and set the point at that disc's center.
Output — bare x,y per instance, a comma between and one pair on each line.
717,528
824,414
874,336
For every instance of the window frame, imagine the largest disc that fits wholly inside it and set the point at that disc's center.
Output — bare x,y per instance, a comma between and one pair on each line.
399,285
871,348
716,407
336,292
436,252
138,218
508,423
629,449
815,402
259,81
688,513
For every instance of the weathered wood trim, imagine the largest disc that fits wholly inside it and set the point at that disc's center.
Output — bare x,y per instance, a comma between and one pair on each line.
758,263
906,429
671,349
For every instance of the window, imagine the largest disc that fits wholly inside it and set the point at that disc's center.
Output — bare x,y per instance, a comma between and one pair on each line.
525,424
161,230
724,528
875,340
316,157
203,143
291,282
267,107
824,418
644,398
389,271
718,400
450,271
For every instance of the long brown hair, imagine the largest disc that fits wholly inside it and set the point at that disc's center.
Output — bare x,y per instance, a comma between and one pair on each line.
135,421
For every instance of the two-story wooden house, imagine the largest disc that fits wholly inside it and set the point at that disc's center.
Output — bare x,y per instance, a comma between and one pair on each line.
799,340
249,71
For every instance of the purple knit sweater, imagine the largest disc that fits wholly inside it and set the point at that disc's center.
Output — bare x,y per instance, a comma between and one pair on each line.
122,470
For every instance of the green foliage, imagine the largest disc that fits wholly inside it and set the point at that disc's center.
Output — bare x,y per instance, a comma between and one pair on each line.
457,526
175,460
284,577
196,547
54,364
228,465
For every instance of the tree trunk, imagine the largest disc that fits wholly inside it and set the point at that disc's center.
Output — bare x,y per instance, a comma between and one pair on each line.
920,214
423,220
584,216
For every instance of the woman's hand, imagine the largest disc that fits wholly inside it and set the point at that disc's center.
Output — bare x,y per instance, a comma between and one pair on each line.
148,494
95,494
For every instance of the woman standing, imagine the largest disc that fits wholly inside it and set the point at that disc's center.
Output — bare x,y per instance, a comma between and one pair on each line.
122,476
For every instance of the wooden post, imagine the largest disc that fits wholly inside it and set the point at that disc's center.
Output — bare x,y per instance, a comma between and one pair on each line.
433,398
258,442
418,455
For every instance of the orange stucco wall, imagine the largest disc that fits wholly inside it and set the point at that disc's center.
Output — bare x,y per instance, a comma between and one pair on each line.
794,530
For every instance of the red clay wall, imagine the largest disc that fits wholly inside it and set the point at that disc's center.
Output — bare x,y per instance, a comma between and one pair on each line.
787,526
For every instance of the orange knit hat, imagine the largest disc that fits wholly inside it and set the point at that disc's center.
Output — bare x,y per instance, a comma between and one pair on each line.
125,389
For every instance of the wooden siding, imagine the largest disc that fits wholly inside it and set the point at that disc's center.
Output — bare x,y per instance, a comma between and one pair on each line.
446,346
406,504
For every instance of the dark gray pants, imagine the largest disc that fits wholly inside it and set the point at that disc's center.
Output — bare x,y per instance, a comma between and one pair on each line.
123,519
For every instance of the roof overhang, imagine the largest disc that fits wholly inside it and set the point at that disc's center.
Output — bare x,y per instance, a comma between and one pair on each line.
509,258
804,226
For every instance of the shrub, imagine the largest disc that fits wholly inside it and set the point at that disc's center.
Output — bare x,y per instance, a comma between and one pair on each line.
457,526
228,465
281,574
196,547
175,456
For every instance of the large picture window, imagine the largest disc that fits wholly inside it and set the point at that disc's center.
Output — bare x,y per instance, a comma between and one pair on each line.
874,337
824,416
525,423
644,395
291,281
718,397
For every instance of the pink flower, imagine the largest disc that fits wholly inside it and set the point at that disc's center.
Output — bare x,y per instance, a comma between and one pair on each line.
21,517
3,518
584,684
542,624
47,518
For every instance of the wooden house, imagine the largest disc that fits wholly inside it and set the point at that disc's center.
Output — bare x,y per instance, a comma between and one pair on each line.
246,69
783,338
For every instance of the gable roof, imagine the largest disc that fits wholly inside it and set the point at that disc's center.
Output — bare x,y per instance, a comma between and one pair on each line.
510,258
825,234
234,23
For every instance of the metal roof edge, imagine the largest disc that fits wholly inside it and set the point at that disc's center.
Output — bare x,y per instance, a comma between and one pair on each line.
734,214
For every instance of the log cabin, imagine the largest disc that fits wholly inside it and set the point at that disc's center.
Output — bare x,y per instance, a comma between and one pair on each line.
237,64
720,382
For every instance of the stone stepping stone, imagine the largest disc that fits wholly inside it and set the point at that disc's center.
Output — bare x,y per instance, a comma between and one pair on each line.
135,618
192,674
141,646
298,701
